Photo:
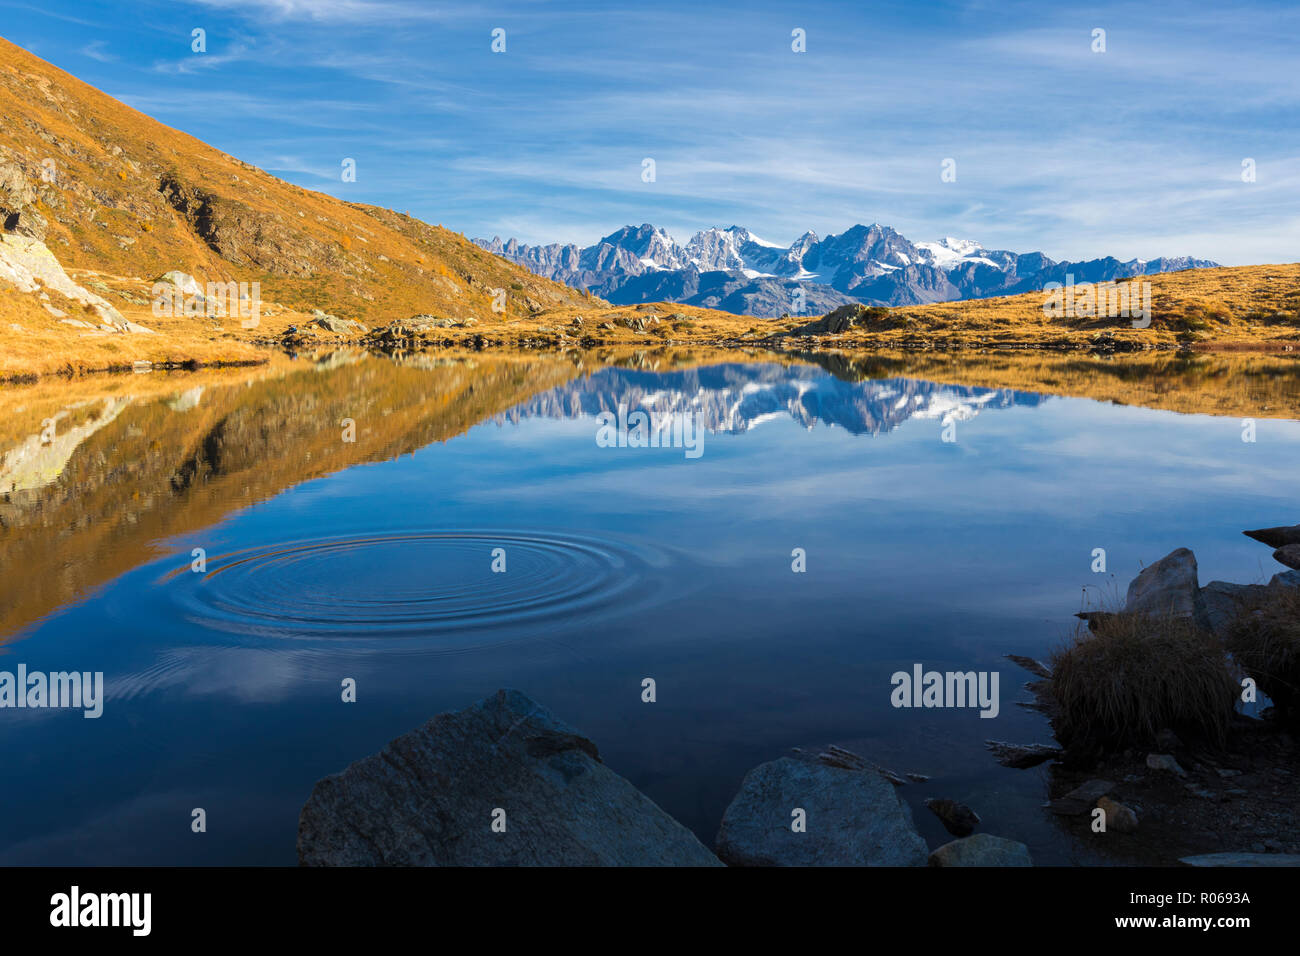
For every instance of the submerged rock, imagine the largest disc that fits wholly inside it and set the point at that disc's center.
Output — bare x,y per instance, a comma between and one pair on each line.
981,850
1021,756
957,818
501,783
850,818
1035,667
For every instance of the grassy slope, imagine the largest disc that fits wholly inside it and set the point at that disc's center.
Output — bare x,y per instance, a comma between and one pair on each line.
1239,305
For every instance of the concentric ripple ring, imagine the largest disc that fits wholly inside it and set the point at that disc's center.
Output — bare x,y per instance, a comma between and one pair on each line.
412,584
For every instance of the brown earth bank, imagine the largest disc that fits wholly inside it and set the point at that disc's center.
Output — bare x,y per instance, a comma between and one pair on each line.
1243,799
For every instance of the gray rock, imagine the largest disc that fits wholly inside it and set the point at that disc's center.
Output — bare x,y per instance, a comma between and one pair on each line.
1219,603
1289,555
1021,756
1165,762
1243,859
853,818
981,850
1276,537
1166,588
428,799
1082,798
1289,579
834,756
1118,816
332,323
425,321
834,322
183,281
957,818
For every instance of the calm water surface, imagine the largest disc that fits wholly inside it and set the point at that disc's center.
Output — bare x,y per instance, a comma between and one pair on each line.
373,559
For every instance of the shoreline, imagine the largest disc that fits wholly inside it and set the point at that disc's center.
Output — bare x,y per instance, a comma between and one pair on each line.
782,346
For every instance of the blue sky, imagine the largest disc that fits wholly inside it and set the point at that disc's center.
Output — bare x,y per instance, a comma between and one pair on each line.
1134,152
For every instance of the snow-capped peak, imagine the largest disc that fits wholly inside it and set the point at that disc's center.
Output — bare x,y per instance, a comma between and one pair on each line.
949,251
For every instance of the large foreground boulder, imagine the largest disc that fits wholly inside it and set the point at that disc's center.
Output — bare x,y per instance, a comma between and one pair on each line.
431,798
850,818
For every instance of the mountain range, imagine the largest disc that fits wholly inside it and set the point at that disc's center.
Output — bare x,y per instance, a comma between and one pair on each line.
733,270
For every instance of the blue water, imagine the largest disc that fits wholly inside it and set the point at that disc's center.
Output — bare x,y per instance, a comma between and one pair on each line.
621,564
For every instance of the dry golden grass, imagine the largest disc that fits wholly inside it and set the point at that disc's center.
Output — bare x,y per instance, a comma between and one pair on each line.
1265,643
1256,306
1136,676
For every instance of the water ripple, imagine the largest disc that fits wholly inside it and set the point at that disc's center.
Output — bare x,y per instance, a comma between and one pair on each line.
413,584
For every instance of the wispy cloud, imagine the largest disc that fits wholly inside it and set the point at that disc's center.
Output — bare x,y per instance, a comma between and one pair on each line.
335,11
96,51
1134,152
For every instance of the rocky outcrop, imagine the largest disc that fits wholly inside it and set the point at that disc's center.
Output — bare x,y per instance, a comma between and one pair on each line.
843,319
1278,537
803,812
1288,554
1166,588
28,266
335,325
18,197
1221,602
981,850
501,783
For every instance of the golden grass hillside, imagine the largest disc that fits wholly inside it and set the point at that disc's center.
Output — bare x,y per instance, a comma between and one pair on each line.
118,192
1251,306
